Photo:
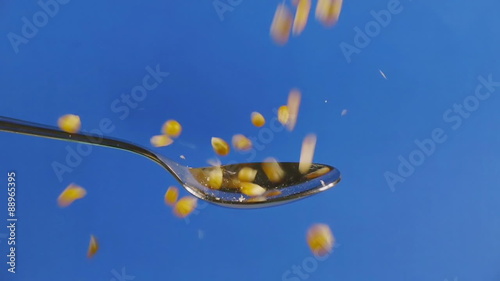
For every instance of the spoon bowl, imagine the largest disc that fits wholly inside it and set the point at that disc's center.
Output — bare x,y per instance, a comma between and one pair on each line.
290,186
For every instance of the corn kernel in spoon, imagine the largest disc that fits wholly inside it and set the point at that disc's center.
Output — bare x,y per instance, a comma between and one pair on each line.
70,194
272,193
161,140
185,206
171,195
247,174
281,25
69,123
215,177
318,173
307,153
320,239
220,146
93,247
252,189
257,199
172,128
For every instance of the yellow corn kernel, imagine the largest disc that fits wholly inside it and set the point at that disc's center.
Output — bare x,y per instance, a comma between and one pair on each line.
231,183
220,146
307,153
185,206
293,108
69,123
301,16
328,11
161,140
283,114
257,199
252,189
214,178
273,170
70,194
171,195
258,119
318,173
172,128
320,239
281,25
272,193
93,247
241,142
247,174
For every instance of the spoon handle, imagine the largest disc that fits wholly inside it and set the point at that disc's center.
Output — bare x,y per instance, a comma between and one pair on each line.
33,129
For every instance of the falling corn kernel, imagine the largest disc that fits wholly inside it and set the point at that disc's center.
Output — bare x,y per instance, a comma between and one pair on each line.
328,11
161,140
220,146
293,108
252,189
301,16
307,153
247,174
171,195
185,206
273,170
272,193
241,142
318,173
172,128
70,194
69,123
257,119
281,25
320,239
283,114
214,178
93,247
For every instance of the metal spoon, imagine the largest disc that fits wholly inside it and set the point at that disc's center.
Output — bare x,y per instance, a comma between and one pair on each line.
292,186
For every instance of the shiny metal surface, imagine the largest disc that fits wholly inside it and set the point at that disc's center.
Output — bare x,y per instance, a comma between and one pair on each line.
292,186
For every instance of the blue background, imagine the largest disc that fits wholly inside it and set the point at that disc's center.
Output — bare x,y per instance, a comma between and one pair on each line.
442,222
